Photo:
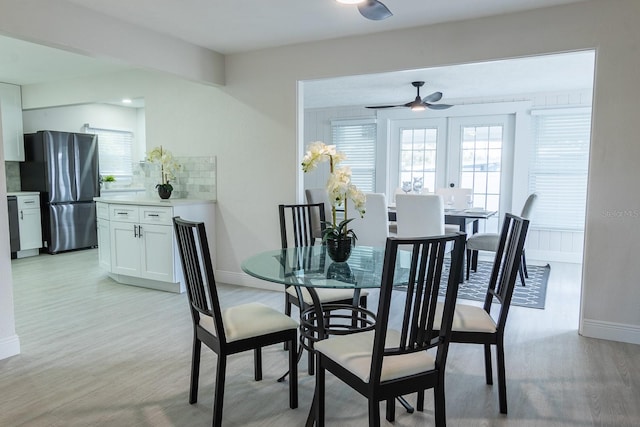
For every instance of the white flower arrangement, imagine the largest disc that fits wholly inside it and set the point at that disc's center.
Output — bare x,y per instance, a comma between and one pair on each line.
339,187
168,165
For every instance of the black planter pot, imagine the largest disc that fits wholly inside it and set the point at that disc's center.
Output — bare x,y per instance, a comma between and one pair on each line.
164,192
339,250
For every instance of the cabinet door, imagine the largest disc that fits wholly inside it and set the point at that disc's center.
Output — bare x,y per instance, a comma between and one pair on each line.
125,248
30,229
11,117
104,244
157,252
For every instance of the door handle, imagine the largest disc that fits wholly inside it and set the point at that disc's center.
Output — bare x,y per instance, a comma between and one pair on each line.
140,231
21,215
135,231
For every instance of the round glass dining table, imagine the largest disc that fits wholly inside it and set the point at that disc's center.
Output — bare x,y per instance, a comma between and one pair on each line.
311,267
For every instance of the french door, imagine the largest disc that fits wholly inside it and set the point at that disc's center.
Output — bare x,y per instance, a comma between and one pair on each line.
468,152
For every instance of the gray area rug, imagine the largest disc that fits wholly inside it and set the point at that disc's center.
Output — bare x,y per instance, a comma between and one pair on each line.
533,295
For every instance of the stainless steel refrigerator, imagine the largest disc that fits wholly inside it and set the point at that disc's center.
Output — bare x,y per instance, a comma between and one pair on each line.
63,167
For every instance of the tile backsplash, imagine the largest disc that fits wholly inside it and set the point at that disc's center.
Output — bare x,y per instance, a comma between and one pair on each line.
196,179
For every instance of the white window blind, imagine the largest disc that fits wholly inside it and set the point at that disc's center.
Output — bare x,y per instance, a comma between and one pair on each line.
559,169
115,152
357,140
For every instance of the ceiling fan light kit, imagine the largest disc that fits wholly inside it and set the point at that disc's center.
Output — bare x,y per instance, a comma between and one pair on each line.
370,9
420,104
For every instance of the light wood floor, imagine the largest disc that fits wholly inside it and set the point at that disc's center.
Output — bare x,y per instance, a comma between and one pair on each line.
96,353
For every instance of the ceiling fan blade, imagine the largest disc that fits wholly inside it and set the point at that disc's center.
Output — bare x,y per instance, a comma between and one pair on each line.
374,10
434,97
385,106
438,106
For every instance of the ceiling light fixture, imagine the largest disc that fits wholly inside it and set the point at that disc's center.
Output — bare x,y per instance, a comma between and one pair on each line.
370,9
126,101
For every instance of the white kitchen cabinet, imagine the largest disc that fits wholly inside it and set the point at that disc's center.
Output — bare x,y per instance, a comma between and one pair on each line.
140,249
104,236
11,117
29,225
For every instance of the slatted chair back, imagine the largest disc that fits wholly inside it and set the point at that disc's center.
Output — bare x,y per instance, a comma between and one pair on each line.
425,275
198,273
297,224
506,266
318,195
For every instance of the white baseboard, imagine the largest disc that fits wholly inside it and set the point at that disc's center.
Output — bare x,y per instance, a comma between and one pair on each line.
9,346
610,331
243,279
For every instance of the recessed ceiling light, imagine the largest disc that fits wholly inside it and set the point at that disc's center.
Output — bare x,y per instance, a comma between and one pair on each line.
126,101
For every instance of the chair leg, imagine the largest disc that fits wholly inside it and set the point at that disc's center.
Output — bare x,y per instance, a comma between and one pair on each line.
440,409
374,412
524,264
391,410
502,379
218,397
468,262
195,370
488,373
257,363
420,401
319,394
522,275
311,362
293,374
287,311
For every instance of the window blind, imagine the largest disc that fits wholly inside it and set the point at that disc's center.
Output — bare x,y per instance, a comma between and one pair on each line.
114,151
560,168
357,140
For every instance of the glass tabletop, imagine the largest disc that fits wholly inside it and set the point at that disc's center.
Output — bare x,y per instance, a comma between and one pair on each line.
312,267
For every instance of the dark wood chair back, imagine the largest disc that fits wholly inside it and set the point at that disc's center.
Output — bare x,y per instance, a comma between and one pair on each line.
198,273
426,274
506,266
298,222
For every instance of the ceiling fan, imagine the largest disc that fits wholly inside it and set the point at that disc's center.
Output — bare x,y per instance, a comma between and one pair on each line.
370,9
420,103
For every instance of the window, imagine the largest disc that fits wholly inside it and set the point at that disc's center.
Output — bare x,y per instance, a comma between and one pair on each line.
115,152
357,140
418,158
560,167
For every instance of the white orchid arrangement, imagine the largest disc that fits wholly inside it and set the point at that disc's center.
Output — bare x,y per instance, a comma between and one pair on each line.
168,165
339,187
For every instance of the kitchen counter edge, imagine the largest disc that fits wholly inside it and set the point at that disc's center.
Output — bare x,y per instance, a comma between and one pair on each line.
152,202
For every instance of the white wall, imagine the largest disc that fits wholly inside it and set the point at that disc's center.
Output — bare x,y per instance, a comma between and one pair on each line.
250,125
72,118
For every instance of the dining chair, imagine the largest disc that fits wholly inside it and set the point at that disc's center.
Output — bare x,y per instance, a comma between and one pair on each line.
489,242
233,330
387,363
373,228
314,196
477,325
296,230
419,215
455,197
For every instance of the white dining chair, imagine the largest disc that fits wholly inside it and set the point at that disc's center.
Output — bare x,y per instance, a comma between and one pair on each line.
318,195
454,197
419,215
373,228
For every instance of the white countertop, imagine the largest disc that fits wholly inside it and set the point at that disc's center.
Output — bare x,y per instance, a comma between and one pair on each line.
149,201
23,193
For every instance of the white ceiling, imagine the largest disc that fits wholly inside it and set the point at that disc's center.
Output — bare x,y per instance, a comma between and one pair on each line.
245,25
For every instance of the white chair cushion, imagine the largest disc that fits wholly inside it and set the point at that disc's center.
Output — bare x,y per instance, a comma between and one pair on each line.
483,242
250,320
326,294
467,318
354,352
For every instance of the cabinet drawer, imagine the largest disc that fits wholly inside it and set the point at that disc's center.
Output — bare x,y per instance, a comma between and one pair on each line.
124,213
102,210
156,215
28,202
